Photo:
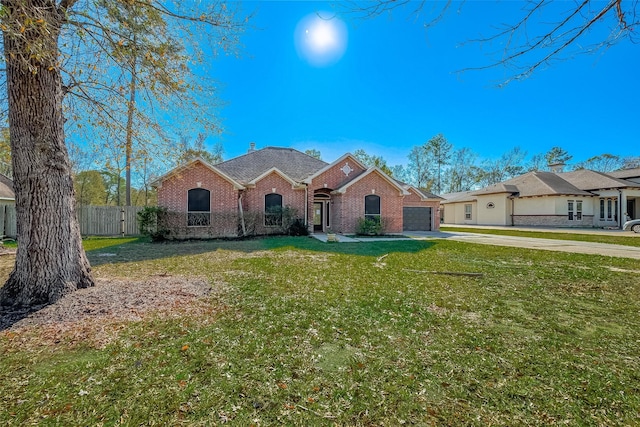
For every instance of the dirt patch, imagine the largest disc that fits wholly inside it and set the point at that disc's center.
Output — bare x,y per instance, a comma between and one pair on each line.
95,315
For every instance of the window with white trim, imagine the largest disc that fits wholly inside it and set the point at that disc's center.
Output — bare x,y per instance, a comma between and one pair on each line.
273,210
578,210
570,210
198,207
468,211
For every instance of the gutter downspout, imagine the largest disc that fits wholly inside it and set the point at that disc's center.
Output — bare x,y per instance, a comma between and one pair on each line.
244,228
306,205
620,209
513,206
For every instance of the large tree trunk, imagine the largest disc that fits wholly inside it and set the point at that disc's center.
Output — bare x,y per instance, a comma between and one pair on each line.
50,261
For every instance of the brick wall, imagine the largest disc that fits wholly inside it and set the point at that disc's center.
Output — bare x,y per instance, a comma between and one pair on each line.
173,195
552,221
391,202
332,179
253,200
415,201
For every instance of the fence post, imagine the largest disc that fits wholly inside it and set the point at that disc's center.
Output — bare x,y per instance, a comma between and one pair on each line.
122,221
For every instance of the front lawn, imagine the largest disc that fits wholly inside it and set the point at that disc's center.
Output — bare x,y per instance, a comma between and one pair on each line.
298,332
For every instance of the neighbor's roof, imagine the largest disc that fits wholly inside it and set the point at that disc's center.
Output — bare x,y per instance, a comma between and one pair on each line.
626,173
6,188
534,184
460,196
586,179
293,163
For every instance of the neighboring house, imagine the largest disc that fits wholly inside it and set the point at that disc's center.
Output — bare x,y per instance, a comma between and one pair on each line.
246,195
7,208
6,190
582,198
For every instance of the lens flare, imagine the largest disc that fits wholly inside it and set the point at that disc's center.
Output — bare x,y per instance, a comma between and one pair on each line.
321,39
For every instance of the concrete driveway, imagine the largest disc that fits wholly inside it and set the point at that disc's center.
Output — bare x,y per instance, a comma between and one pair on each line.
604,249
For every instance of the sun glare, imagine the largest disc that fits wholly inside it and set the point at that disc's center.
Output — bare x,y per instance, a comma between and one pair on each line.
321,39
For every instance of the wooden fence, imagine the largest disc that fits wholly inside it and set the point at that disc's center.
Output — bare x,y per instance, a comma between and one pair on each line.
94,220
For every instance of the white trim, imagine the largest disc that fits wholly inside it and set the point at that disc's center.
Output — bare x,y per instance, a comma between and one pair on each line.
294,185
236,184
369,171
334,163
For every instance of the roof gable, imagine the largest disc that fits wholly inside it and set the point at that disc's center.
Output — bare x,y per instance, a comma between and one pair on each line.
278,172
186,166
368,172
424,195
345,157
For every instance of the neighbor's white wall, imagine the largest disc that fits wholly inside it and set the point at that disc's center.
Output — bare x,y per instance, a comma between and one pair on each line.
454,213
535,206
499,214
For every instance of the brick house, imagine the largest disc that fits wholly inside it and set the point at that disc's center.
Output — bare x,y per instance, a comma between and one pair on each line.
247,195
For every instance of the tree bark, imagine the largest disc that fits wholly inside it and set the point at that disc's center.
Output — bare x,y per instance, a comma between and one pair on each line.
50,260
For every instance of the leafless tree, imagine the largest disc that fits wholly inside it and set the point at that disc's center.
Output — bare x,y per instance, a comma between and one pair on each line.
545,32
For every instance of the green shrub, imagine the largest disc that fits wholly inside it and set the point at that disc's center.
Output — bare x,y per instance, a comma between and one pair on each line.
148,220
369,227
298,228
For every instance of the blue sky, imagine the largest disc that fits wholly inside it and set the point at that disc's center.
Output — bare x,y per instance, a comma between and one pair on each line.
396,86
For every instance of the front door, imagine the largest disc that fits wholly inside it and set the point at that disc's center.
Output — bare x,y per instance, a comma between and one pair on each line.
317,216
631,208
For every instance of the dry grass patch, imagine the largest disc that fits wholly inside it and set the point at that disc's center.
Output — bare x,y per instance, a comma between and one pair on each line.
95,315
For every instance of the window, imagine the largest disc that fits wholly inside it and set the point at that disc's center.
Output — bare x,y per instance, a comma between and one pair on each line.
467,211
199,207
609,207
372,207
570,209
273,210
579,210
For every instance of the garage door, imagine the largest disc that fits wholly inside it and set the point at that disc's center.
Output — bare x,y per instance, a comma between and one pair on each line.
416,219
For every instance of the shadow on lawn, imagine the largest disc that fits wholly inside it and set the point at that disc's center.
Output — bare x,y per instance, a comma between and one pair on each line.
144,251
140,250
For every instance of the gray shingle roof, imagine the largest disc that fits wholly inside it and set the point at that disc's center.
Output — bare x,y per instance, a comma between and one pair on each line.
460,196
535,184
6,188
293,163
626,173
422,193
586,179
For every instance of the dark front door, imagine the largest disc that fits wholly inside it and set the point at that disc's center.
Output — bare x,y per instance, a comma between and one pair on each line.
317,216
631,208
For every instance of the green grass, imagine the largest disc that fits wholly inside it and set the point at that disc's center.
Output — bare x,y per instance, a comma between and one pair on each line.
628,240
306,333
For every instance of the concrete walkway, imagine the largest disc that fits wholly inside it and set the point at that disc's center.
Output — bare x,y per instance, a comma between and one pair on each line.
570,246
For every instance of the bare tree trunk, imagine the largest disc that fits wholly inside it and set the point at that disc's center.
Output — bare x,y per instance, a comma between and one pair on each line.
50,261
